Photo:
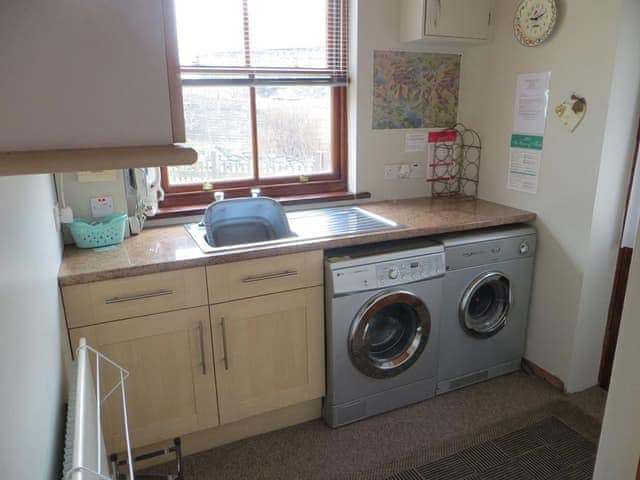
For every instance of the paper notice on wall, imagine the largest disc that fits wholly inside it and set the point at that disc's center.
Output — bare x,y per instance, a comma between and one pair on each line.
532,101
524,163
440,155
415,142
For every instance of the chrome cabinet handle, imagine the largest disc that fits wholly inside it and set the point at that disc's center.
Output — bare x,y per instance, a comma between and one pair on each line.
269,276
142,296
202,356
225,357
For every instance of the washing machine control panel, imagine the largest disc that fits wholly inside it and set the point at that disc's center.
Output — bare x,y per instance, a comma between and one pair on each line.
409,270
388,274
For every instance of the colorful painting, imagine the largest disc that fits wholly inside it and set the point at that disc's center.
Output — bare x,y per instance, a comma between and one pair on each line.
415,90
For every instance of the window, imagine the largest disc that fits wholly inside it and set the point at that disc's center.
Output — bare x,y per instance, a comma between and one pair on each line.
263,87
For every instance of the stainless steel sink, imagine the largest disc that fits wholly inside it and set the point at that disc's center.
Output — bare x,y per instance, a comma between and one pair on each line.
330,222
242,223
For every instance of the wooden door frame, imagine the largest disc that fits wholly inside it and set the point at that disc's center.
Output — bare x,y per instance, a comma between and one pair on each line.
619,290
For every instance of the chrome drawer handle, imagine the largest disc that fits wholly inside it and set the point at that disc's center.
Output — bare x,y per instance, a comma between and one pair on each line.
202,357
269,276
225,357
142,296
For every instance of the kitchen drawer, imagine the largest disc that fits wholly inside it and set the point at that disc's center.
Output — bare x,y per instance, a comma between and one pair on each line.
98,302
252,278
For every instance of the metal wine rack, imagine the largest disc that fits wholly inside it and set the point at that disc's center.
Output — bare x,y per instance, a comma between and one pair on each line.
455,166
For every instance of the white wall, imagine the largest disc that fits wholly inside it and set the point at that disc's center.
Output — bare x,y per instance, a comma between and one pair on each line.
32,339
619,447
74,73
78,195
578,202
377,28
611,192
82,73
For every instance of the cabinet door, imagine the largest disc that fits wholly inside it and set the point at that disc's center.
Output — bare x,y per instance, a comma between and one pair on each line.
269,352
171,387
458,18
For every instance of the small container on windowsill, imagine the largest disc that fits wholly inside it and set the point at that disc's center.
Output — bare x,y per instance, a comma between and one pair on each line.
217,196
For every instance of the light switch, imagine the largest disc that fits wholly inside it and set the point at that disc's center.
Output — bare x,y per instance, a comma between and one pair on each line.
101,206
418,170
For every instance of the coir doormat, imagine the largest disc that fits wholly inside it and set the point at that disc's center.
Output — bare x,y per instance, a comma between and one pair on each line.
557,442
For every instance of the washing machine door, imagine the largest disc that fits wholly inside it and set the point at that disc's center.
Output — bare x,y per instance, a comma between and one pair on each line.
485,304
389,334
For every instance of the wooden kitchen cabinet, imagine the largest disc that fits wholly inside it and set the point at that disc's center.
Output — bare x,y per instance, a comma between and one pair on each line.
466,20
269,352
207,345
171,390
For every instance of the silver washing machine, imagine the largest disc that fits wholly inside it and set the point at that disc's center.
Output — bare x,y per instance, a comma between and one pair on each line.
382,318
486,303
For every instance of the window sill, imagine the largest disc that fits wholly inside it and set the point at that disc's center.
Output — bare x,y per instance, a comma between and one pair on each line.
188,210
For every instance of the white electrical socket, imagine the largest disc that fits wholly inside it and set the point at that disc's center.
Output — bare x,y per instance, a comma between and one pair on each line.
62,215
66,215
391,171
101,206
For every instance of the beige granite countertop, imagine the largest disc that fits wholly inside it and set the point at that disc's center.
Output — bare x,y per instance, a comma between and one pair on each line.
171,248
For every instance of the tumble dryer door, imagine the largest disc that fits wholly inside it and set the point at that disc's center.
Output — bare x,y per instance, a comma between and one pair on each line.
389,334
485,304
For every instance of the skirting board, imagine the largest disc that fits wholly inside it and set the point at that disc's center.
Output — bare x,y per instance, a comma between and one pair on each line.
232,432
548,377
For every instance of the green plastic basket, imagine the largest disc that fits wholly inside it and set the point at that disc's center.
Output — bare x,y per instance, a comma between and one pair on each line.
99,233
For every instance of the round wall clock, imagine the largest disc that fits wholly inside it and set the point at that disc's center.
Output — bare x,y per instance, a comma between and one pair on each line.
534,21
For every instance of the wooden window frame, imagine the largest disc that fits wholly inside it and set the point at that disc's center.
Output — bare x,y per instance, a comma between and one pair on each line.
192,195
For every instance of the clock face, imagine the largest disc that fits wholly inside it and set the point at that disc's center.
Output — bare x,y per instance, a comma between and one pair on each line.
534,21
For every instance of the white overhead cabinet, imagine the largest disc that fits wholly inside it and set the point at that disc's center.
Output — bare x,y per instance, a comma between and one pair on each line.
446,20
84,86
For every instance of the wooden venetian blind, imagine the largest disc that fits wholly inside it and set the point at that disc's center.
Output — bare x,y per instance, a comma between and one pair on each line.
263,42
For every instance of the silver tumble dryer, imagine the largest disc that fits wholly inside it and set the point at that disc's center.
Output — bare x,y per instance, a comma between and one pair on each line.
486,303
382,319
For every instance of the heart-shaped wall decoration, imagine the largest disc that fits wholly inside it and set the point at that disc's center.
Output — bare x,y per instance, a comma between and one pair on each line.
572,111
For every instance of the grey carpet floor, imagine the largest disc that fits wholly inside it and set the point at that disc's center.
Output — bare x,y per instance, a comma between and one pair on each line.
315,451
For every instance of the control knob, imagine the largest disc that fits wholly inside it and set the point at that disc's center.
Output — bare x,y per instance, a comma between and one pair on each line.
524,248
393,273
